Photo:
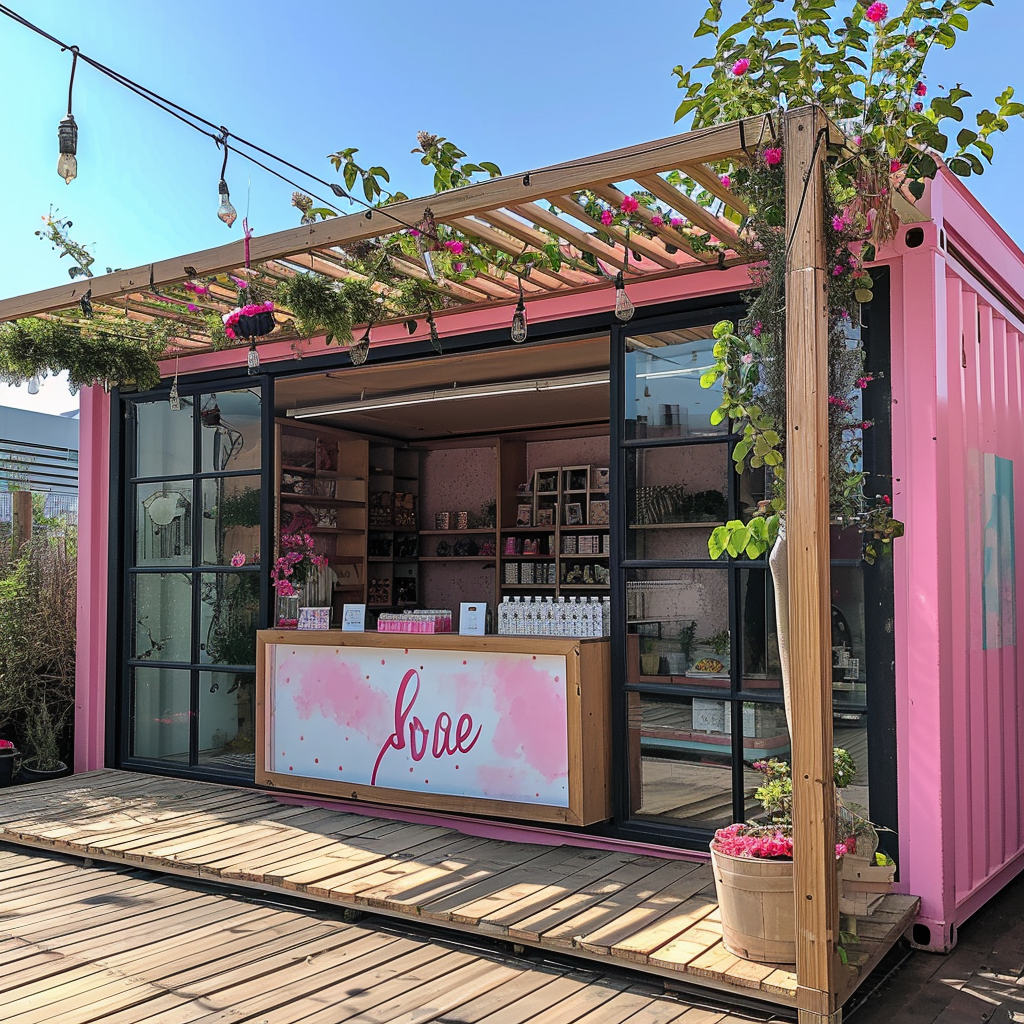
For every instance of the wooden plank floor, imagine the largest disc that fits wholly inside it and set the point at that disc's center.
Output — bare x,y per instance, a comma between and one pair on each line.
646,913
123,946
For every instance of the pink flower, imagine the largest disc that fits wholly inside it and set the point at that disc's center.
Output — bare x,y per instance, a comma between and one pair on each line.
725,180
284,589
657,221
414,233
677,222
454,246
193,308
877,12
894,166
740,67
607,217
912,42
836,271
918,107
863,382
238,559
757,334
886,500
747,358
629,205
920,89
838,223
773,156
6,745
458,267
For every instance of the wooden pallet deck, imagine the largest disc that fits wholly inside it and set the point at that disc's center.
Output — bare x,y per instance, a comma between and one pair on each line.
645,913
121,946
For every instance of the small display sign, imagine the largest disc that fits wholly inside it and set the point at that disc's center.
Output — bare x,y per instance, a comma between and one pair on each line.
353,618
472,619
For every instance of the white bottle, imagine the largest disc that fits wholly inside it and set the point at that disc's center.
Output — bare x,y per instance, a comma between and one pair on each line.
606,615
529,616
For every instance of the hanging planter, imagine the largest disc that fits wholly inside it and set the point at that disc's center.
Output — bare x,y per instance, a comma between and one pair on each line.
248,322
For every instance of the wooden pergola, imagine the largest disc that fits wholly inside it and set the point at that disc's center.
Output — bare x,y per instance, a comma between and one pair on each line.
516,212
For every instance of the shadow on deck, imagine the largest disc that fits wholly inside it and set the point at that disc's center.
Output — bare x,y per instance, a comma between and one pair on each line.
654,915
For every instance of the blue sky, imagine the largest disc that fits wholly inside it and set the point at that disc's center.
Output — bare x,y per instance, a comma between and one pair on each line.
522,84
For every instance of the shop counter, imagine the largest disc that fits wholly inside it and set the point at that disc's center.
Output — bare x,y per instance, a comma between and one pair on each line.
511,726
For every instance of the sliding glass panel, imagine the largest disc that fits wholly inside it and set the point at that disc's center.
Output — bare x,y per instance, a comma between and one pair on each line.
162,617
226,720
163,441
230,433
762,671
231,520
677,627
228,617
160,714
663,393
163,523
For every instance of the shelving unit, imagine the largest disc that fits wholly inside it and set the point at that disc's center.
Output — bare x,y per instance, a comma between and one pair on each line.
393,544
321,489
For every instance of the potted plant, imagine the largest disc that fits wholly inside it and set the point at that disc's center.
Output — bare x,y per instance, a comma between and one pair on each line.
10,762
298,559
753,867
42,741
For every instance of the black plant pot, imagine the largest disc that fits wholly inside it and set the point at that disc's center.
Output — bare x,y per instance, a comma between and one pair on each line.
29,773
254,326
10,765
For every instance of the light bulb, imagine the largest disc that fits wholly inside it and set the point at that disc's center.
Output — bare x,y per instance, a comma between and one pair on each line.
226,211
67,140
360,349
33,385
624,309
428,262
519,326
173,399
253,360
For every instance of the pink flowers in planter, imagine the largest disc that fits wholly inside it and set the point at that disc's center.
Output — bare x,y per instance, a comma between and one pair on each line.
251,321
740,67
877,12
292,566
762,841
6,745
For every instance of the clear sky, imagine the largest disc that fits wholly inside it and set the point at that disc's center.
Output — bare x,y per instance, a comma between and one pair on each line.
523,85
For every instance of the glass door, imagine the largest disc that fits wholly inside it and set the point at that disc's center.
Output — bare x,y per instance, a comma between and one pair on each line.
194,515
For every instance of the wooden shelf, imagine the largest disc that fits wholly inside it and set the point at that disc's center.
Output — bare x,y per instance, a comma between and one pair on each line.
583,528
456,558
289,498
448,533
675,526
585,586
528,586
528,529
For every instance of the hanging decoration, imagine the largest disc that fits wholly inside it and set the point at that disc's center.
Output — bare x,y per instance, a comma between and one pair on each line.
435,338
624,309
174,399
33,385
67,133
252,360
360,349
519,325
251,321
226,212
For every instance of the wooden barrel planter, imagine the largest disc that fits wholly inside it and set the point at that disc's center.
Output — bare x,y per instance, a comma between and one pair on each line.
756,904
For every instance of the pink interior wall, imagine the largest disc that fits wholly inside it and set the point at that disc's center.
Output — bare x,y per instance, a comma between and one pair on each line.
957,398
93,552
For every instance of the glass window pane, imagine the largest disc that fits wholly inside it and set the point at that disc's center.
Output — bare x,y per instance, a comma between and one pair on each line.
680,760
231,519
160,714
849,650
163,439
163,523
226,720
162,614
677,627
231,430
762,671
229,614
663,393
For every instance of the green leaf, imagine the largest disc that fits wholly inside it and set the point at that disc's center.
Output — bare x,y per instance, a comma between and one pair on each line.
717,542
965,137
709,379
716,416
739,537
723,328
916,189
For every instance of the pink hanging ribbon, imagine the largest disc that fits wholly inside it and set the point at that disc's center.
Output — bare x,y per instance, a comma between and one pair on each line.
247,232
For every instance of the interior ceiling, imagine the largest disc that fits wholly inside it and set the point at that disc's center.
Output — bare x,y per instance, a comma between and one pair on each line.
485,415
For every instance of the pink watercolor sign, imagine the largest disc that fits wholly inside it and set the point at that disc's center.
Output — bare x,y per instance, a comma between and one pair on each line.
458,723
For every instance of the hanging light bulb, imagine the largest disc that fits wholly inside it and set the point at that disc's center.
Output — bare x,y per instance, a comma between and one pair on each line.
435,338
33,384
519,325
67,133
226,212
360,349
252,359
173,399
624,309
67,140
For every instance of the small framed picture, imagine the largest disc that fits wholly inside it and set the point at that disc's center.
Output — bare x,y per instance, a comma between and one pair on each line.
599,513
524,515
545,517
314,618
599,478
547,481
353,618
574,514
472,619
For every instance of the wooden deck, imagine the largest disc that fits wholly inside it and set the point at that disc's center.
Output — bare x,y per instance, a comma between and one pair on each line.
121,946
646,913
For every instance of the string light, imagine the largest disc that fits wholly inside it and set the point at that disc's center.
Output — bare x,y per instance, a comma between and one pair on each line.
519,325
361,349
173,398
67,133
624,309
33,384
226,212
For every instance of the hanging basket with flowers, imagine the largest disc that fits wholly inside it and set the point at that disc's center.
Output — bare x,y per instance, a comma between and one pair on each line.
248,322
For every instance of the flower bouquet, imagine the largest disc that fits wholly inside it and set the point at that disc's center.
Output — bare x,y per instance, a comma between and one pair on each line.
251,321
292,569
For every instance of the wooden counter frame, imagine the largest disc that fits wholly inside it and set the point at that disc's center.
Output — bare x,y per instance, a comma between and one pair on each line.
588,717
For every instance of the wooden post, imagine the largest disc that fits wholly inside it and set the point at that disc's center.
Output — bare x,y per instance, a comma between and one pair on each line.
21,520
804,133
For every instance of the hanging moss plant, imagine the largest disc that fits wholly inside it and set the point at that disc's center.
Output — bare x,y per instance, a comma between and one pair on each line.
114,352
323,306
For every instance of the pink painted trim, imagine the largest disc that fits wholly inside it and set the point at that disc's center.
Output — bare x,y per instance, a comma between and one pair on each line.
485,829
93,547
456,323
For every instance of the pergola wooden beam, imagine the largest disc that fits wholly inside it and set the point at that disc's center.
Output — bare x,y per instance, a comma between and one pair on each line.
528,233
807,530
703,146
693,212
710,182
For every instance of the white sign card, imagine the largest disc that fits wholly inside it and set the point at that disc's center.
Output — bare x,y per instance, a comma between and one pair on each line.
353,618
473,619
